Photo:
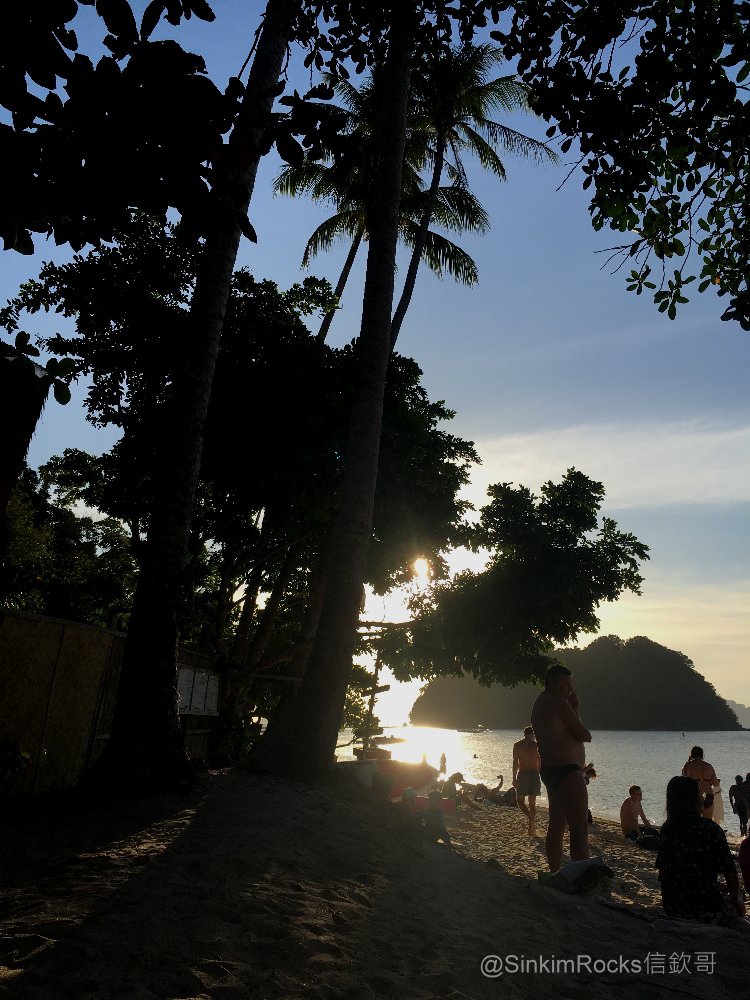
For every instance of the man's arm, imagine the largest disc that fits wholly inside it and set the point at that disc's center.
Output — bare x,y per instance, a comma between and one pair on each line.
516,764
573,723
642,815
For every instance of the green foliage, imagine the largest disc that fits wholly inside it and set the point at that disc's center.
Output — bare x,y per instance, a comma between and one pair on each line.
655,94
355,706
62,564
551,564
277,390
90,141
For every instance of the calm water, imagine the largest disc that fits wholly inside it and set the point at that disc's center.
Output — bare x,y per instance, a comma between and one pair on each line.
648,759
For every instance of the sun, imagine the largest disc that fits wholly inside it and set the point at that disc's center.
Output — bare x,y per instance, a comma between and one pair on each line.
422,572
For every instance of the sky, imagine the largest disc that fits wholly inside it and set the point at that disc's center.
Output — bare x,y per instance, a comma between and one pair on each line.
549,363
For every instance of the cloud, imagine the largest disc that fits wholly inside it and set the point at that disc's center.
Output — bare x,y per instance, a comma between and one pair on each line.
709,624
692,462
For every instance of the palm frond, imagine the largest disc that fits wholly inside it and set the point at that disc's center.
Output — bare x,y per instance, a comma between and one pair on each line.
457,208
516,142
506,93
328,232
472,140
443,256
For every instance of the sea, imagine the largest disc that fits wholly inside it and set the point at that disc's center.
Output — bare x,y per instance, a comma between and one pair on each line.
621,759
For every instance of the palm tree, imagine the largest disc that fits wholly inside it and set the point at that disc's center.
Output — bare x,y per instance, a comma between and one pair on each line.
305,738
452,98
346,182
146,742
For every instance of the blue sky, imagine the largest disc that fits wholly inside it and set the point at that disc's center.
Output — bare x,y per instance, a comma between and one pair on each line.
549,363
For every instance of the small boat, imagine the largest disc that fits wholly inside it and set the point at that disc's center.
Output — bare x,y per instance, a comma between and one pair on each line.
406,774
372,759
474,729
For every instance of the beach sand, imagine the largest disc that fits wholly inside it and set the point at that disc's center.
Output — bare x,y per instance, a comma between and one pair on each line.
251,887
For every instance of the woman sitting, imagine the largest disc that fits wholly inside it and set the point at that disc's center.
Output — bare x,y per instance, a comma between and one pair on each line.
693,853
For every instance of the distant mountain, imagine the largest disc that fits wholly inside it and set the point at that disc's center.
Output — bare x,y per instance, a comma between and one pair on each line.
633,684
741,711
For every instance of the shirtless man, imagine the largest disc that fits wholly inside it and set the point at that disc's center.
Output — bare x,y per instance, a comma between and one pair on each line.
698,768
738,801
631,811
561,736
526,781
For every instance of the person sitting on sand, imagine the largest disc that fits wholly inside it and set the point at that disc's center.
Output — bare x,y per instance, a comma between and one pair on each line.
693,853
738,801
561,737
699,769
459,796
492,794
433,821
630,812
526,780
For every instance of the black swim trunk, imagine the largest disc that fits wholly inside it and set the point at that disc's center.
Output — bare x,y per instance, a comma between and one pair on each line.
528,783
553,777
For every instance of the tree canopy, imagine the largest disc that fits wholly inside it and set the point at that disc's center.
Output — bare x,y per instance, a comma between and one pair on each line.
551,563
656,96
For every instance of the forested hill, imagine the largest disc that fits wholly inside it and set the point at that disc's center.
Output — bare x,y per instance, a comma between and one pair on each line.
636,684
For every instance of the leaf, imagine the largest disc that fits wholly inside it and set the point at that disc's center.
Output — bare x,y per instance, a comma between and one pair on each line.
22,340
322,92
247,230
62,392
23,243
118,17
201,9
151,17
289,149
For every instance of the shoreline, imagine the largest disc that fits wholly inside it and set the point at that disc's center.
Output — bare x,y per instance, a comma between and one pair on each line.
254,888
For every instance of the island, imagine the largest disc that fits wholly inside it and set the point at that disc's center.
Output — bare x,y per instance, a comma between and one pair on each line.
623,684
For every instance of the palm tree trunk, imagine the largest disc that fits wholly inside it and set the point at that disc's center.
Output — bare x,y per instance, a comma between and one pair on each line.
146,742
325,326
306,738
241,644
270,612
419,242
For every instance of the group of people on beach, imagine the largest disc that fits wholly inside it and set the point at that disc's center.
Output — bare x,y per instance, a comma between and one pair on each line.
692,849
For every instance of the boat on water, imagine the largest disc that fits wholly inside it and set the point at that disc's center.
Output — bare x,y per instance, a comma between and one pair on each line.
474,729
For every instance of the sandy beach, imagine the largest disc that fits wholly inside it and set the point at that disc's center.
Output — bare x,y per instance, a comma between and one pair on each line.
252,887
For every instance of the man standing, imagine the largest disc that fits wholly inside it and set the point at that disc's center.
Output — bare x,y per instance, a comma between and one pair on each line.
630,812
561,736
526,781
699,769
739,803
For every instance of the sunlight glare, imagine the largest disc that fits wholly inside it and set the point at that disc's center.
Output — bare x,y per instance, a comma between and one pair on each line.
422,572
